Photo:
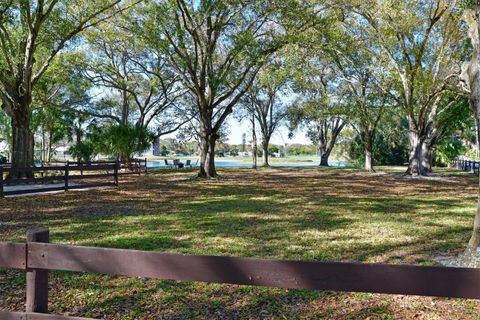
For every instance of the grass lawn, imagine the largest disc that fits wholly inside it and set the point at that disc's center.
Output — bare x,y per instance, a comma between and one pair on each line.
310,214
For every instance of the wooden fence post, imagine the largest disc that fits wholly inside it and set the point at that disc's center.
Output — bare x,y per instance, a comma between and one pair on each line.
66,177
1,181
37,279
115,173
146,165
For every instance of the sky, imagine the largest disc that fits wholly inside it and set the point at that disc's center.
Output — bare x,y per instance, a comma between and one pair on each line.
280,137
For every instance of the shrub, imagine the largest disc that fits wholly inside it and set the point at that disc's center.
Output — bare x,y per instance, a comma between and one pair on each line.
385,151
83,151
447,150
123,140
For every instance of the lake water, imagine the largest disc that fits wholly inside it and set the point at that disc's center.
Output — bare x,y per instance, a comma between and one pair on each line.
240,164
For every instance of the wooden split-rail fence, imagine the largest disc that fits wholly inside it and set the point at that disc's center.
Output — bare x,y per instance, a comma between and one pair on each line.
63,176
133,166
37,256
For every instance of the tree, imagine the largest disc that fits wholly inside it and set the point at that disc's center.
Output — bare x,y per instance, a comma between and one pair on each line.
254,142
123,140
471,80
32,33
321,107
454,115
139,85
217,49
54,126
390,146
262,101
62,84
418,43
365,82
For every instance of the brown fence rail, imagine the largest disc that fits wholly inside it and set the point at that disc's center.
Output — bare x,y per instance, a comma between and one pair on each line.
468,166
133,166
64,175
35,316
37,256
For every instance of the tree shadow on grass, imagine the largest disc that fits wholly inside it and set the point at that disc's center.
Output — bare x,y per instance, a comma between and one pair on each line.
187,300
254,221
300,214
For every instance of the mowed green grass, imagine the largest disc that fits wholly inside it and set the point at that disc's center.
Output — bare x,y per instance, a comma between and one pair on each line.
306,214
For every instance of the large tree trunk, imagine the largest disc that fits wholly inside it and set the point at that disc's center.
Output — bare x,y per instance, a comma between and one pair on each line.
23,144
325,149
474,242
207,153
322,154
368,161
324,160
415,163
427,157
477,137
427,154
265,144
368,145
210,163
202,173
325,145
471,77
